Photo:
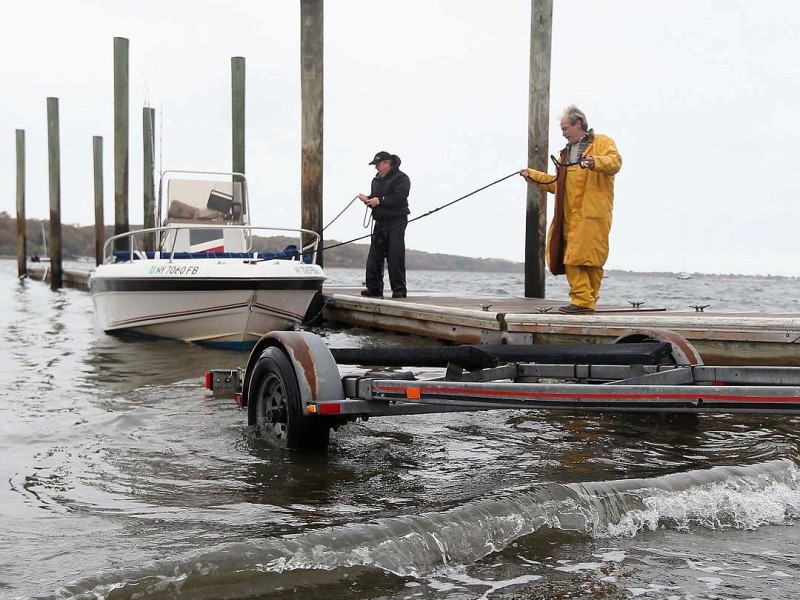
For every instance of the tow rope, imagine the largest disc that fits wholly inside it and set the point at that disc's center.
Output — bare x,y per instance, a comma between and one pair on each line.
427,214
430,212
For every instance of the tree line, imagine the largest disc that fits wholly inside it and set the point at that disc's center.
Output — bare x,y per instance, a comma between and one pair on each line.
78,242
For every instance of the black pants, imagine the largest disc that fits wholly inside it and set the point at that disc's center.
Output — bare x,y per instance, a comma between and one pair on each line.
389,244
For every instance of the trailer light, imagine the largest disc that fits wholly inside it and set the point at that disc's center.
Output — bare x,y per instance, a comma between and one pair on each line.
238,398
329,408
413,393
209,383
311,409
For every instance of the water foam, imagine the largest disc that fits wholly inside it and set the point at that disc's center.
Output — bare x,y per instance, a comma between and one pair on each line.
419,545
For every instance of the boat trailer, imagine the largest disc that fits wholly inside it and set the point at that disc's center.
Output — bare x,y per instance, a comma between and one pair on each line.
294,393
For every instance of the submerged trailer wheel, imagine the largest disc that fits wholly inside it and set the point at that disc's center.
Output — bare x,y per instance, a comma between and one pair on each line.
278,416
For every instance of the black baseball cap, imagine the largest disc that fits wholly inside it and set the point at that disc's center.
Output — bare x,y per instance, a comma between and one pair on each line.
382,155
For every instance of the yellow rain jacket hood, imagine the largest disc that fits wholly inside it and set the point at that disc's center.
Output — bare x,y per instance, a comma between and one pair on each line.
586,203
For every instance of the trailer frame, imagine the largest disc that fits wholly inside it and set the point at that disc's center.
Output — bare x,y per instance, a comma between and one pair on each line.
294,393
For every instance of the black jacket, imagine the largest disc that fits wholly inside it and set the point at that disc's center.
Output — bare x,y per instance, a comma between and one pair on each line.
392,191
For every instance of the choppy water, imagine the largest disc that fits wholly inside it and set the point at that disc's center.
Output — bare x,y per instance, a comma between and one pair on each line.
122,479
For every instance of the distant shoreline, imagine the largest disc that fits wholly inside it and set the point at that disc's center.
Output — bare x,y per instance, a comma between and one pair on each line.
79,242
609,272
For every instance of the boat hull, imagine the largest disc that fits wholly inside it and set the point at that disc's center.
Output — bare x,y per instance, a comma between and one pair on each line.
226,303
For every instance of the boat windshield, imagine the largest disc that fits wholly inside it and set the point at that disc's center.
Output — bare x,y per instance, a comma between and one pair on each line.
206,201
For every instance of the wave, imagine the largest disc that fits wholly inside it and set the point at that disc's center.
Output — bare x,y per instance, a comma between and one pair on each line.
741,497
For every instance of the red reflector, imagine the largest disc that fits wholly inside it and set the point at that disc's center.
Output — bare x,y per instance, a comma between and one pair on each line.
209,380
329,408
718,383
238,397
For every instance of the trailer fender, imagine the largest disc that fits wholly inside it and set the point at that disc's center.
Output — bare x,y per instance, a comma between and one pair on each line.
311,360
683,353
290,371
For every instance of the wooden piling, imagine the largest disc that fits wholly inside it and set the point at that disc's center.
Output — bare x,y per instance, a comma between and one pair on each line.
311,80
121,131
238,113
538,135
22,237
148,180
54,170
99,219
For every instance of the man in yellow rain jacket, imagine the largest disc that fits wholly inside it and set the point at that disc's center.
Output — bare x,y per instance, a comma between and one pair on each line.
577,242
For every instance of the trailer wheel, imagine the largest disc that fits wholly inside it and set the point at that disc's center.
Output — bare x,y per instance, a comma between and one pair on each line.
278,416
683,353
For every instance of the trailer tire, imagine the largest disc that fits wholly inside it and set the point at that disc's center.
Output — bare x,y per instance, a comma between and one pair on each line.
277,411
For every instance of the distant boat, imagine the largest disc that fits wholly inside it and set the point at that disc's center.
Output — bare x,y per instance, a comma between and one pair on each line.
36,258
684,275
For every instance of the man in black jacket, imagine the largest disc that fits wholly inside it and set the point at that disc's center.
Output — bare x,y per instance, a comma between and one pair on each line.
388,200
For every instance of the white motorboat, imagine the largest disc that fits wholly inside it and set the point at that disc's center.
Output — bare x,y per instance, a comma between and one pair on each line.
197,276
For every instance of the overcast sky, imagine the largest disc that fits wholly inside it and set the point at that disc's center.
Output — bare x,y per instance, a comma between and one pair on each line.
702,98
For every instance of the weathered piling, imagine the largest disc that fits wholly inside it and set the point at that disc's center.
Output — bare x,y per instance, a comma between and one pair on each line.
538,135
22,237
121,133
238,114
311,80
148,181
99,219
54,170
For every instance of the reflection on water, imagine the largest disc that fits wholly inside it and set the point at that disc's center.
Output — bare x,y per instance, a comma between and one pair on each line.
118,469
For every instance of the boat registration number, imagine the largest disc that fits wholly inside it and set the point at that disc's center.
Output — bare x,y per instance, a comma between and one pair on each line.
305,270
174,270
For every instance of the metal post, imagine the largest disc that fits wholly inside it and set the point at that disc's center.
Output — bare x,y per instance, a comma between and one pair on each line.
22,238
54,164
148,182
311,79
121,118
538,135
99,224
238,113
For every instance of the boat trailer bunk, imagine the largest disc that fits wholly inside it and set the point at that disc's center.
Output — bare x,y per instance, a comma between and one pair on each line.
294,393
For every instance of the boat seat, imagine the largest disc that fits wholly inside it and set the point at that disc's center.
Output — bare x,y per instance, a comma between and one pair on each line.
181,210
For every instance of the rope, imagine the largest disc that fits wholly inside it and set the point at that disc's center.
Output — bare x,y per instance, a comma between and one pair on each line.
368,221
341,213
488,185
430,212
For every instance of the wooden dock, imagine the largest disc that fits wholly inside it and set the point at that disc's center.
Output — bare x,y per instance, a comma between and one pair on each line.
71,278
759,339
